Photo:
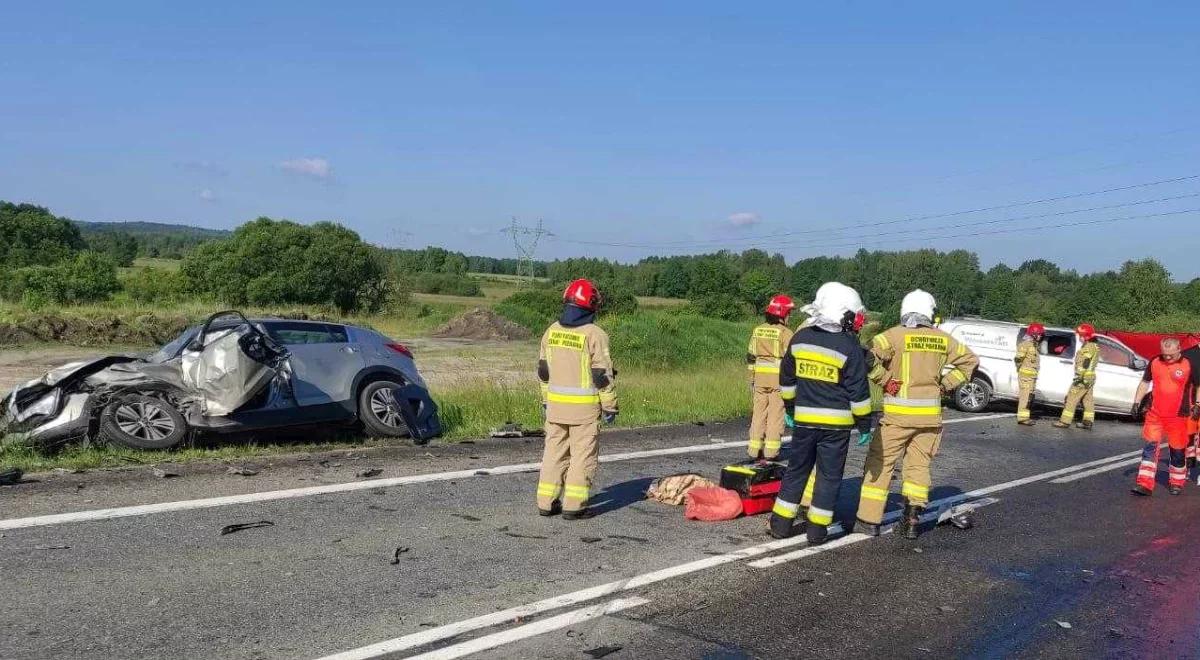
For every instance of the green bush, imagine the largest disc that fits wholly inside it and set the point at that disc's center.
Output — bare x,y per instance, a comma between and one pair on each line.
660,340
154,285
449,284
88,277
724,306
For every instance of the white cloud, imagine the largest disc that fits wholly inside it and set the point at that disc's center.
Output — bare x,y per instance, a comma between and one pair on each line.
317,168
208,195
743,219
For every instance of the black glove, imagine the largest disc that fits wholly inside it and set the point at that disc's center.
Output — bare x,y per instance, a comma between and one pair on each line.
1196,412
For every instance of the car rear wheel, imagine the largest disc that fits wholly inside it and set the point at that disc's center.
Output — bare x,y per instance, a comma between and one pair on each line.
974,396
379,412
142,422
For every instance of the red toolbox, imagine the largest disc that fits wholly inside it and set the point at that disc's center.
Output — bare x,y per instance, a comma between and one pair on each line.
757,483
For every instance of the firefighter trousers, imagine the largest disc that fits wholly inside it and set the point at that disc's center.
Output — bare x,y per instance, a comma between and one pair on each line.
766,423
816,461
1025,397
569,465
1079,392
919,446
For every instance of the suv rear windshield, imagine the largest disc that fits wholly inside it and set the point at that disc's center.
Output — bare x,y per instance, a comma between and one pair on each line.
294,333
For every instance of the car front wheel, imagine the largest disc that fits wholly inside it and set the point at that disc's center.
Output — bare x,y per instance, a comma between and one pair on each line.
379,412
142,422
974,396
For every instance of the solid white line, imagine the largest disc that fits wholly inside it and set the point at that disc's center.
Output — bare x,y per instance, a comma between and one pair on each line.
526,631
1099,470
855,538
292,493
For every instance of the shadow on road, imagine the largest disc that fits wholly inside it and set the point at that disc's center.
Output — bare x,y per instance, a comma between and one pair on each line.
619,496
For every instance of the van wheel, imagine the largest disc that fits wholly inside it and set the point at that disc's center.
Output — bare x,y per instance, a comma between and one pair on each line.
973,396
142,422
379,412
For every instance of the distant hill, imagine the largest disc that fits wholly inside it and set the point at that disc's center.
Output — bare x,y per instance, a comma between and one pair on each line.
153,239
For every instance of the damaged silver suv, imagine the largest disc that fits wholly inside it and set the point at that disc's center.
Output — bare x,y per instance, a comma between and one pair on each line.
230,374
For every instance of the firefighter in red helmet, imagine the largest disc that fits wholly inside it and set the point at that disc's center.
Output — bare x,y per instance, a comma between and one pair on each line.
1028,359
1087,356
578,391
768,342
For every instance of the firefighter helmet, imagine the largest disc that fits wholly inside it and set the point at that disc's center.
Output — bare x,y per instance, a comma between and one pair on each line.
838,302
1036,330
583,294
918,302
1086,331
780,306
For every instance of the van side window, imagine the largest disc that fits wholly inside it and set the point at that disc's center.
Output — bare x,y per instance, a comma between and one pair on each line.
1058,345
1111,353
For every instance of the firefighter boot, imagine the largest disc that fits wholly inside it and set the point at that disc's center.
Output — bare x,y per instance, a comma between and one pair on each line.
781,528
554,510
1061,425
816,533
582,514
1086,426
1141,490
864,527
910,523
1026,422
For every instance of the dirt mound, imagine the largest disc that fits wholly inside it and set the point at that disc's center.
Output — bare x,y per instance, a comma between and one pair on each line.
480,323
97,330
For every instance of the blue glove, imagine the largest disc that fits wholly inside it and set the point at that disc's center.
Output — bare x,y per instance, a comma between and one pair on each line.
864,438
789,421
609,417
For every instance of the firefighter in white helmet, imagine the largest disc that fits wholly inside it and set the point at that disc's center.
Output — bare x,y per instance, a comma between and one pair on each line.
919,363
823,381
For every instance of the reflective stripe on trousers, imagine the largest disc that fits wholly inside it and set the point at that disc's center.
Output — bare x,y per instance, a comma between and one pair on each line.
901,406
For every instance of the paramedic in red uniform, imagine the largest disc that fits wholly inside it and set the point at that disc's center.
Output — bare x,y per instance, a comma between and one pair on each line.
1175,386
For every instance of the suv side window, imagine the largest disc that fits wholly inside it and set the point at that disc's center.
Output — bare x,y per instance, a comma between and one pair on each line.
1111,353
293,333
1058,344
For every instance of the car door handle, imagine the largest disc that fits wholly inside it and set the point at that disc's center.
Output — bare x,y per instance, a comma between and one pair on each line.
349,349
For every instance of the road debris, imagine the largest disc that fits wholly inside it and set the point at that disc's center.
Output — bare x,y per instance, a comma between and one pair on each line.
59,470
396,555
467,517
1116,632
368,473
482,473
164,473
242,470
513,430
1064,625
237,527
601,651
526,536
10,476
945,609
962,517
636,539
51,547
673,489
590,539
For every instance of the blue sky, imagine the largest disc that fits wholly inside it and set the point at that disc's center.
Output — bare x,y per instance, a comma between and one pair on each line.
678,126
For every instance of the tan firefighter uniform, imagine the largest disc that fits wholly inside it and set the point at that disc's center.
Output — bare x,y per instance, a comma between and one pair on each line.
927,362
578,384
767,344
1028,361
1086,359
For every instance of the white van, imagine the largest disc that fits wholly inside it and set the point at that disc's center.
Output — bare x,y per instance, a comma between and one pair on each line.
995,342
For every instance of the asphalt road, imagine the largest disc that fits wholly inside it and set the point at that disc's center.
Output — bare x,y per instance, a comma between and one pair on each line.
1063,562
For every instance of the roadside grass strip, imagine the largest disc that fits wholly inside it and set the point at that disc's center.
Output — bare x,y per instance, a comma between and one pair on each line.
368,484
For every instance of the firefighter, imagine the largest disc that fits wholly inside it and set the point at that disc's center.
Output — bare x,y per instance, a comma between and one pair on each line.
1027,360
919,364
578,390
823,382
767,344
1086,359
1175,386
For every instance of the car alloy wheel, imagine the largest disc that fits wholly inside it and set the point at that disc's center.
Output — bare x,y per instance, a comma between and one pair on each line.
972,396
385,408
144,420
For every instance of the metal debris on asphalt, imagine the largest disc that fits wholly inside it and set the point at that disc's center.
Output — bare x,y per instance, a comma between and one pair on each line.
590,539
601,651
945,609
511,430
918,550
164,473
526,536
242,470
10,476
368,473
51,547
237,527
959,516
1063,624
396,555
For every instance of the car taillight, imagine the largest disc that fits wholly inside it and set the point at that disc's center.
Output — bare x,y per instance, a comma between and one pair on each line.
401,349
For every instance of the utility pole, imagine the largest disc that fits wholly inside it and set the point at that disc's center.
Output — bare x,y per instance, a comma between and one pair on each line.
526,240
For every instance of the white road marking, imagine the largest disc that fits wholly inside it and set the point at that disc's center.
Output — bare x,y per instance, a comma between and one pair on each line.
347,487
526,631
855,537
1083,475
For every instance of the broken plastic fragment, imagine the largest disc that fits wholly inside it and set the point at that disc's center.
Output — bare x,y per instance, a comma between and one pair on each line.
601,651
229,529
162,473
1063,624
368,473
399,551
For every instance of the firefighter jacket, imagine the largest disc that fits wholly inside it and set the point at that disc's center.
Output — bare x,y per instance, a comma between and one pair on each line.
823,381
1086,359
926,362
1028,360
767,345
578,379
